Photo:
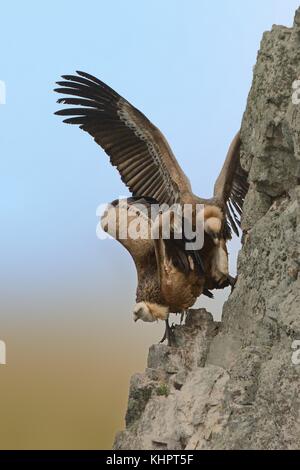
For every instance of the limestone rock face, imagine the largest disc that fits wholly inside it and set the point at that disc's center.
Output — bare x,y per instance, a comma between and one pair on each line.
235,384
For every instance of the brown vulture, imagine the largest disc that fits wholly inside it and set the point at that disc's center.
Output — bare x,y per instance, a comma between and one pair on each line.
170,276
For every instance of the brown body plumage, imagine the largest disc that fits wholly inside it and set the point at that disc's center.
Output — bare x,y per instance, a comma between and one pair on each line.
164,286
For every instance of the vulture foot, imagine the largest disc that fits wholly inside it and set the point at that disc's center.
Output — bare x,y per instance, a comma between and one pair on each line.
232,281
183,316
169,335
208,293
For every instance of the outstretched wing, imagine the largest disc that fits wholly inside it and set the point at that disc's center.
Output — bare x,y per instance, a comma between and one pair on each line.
232,185
135,146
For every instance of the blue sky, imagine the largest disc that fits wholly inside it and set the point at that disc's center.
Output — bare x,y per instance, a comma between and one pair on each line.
186,65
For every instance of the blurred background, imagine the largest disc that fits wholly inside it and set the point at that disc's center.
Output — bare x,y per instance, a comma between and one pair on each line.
66,297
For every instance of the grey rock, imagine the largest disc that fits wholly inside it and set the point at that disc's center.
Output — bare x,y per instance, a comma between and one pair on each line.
233,385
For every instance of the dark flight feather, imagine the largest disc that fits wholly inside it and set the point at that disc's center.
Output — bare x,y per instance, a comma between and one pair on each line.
137,144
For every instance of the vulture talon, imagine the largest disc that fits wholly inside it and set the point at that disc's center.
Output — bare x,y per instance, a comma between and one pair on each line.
183,316
207,293
232,281
168,334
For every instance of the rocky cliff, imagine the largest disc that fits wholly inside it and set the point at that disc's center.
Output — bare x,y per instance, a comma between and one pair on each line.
234,385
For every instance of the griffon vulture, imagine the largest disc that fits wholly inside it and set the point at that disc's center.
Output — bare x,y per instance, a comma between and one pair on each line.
169,277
